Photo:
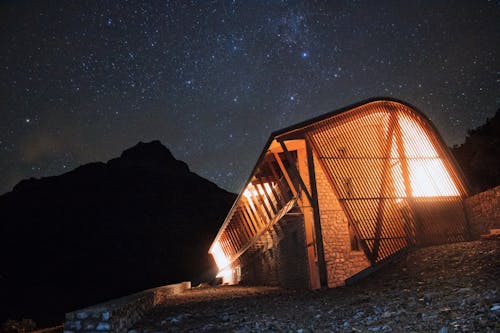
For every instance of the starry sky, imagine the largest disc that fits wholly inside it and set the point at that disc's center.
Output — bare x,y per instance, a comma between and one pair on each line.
80,81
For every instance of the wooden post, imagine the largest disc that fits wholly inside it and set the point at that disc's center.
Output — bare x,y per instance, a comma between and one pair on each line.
323,276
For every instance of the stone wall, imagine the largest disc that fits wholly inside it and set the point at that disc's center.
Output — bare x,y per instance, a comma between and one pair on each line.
483,210
341,262
120,314
283,262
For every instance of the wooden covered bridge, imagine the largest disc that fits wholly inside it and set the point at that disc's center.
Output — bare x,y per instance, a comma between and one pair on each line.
334,197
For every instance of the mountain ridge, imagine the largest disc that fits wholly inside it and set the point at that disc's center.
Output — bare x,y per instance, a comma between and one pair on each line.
104,230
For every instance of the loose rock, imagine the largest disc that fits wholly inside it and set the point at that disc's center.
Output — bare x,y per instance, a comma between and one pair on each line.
444,289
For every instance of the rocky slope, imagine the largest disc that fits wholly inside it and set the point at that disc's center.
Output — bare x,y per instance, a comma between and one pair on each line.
446,288
105,230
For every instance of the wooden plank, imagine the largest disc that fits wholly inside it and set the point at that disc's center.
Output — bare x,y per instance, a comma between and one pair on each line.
260,198
285,174
245,224
279,183
266,194
257,219
248,218
294,171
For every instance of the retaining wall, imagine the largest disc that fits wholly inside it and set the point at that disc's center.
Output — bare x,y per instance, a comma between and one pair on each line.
120,314
483,210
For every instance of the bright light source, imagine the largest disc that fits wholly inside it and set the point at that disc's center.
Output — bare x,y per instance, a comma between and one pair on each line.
219,256
429,178
253,191
427,172
226,275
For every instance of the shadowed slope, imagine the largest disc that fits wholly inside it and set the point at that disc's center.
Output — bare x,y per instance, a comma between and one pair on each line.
479,155
105,230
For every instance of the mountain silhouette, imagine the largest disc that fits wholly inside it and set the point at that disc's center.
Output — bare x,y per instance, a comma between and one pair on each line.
105,230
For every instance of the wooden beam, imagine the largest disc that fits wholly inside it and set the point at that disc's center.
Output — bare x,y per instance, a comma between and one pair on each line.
260,198
317,218
285,174
279,183
257,206
295,172
249,219
266,194
308,218
258,219
244,222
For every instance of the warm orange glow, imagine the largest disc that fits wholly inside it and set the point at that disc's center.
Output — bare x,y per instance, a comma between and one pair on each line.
253,191
428,175
219,256
429,178
375,157
226,275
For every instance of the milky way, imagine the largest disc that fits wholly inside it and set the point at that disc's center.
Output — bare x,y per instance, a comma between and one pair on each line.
82,80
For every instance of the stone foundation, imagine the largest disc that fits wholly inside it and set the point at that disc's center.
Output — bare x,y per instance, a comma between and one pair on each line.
284,263
483,210
120,314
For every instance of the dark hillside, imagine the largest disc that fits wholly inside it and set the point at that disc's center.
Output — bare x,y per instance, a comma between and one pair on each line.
105,230
479,155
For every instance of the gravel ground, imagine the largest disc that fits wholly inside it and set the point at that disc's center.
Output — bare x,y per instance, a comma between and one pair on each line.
447,288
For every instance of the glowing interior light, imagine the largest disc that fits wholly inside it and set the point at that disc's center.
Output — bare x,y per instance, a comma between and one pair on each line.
429,178
253,191
219,256
427,173
416,141
226,275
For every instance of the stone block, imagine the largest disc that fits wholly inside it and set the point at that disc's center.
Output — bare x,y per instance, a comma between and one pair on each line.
103,326
105,315
82,315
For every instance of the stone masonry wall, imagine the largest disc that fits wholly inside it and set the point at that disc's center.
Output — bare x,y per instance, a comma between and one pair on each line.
283,263
341,261
293,269
120,314
483,210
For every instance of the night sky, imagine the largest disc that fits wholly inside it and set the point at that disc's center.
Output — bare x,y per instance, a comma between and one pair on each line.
80,81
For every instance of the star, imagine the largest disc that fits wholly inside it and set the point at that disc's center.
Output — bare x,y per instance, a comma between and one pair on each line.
189,75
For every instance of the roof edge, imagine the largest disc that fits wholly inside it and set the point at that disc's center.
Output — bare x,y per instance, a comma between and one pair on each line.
344,109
